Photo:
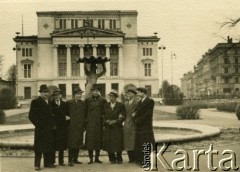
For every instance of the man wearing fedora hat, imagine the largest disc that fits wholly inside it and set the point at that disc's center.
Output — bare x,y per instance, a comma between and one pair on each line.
143,116
77,112
42,117
114,115
94,123
129,129
60,111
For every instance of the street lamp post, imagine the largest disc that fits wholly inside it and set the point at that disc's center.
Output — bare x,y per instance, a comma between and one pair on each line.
172,55
162,47
16,48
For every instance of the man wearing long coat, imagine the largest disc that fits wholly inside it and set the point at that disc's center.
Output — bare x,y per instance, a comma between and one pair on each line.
60,111
114,115
129,129
94,124
77,114
143,119
42,118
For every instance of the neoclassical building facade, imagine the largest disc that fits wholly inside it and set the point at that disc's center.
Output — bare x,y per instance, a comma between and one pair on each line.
64,36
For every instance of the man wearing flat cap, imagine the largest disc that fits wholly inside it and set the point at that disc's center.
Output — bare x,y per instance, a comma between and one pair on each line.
114,115
94,123
42,118
129,129
76,108
60,111
143,116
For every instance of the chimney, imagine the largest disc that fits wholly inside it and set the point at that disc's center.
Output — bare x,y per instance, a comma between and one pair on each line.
229,40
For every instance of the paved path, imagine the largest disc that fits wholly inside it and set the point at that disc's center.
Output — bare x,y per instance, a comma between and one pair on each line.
11,164
210,117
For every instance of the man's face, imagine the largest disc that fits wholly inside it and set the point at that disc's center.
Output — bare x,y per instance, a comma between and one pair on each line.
130,95
95,93
57,96
78,96
140,94
44,94
112,98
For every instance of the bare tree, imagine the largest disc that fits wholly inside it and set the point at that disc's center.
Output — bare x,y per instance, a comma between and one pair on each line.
1,65
11,76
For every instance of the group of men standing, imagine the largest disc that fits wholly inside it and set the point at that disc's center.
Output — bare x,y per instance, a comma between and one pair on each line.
111,126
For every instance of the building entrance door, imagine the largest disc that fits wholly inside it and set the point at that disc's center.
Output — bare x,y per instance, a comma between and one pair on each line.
149,90
103,89
27,92
63,89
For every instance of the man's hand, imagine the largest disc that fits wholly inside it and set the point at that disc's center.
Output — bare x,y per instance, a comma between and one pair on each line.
134,114
67,118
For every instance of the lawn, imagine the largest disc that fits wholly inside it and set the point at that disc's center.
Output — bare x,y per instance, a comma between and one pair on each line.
17,119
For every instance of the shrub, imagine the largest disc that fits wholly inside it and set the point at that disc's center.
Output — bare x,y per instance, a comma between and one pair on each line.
2,117
227,106
7,99
188,111
198,104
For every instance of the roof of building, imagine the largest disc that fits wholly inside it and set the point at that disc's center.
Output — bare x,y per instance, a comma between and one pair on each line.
148,39
32,38
97,12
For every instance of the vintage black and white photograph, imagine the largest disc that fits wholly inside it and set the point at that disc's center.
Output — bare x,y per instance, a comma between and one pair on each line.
119,85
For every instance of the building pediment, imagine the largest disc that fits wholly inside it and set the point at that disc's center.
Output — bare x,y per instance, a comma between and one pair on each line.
27,61
87,32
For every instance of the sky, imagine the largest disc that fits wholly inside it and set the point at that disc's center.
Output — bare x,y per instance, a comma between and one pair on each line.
187,28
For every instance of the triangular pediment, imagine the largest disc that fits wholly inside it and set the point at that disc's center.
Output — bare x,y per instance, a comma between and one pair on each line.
87,32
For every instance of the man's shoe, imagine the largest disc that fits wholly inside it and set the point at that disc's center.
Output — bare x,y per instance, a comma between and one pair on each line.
50,166
90,162
37,169
119,162
77,162
98,161
70,164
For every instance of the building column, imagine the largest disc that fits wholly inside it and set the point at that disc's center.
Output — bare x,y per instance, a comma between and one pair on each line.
55,61
120,60
81,50
69,62
94,50
108,63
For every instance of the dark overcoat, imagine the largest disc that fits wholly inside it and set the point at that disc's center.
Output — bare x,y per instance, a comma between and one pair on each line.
76,126
42,117
60,113
143,121
129,129
94,124
113,134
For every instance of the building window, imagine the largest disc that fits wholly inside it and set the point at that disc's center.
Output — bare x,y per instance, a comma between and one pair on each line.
147,69
101,51
226,90
74,86
236,60
27,70
101,23
88,23
115,86
62,51
112,24
226,80
114,68
113,50
63,24
236,80
74,23
225,70
147,51
62,68
27,52
75,51
236,69
226,61
75,69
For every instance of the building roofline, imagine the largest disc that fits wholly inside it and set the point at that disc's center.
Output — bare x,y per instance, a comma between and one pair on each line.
32,38
97,12
148,39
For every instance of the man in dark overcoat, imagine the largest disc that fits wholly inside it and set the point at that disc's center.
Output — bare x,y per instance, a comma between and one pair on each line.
60,111
129,129
143,119
94,124
42,118
114,115
77,115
